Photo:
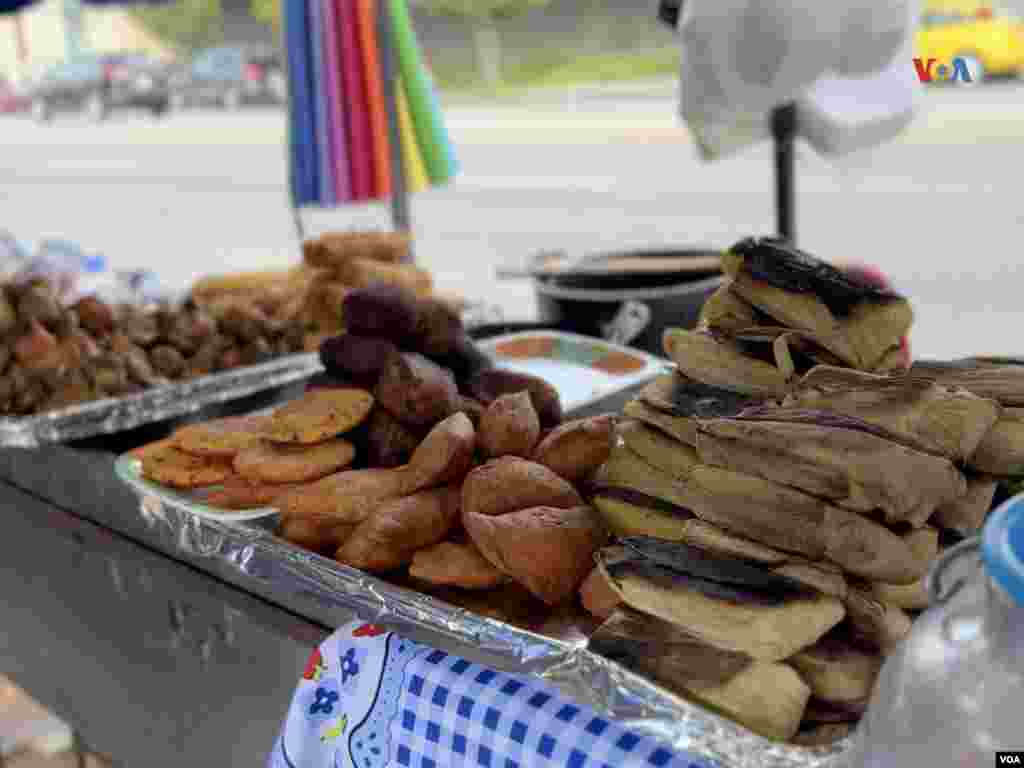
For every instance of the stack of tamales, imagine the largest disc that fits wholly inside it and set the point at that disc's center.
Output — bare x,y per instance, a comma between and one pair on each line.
780,498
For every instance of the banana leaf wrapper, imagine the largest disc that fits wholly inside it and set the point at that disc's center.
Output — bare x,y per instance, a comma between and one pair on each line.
764,625
836,458
918,413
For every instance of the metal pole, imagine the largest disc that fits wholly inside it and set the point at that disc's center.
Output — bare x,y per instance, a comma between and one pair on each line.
784,120
401,216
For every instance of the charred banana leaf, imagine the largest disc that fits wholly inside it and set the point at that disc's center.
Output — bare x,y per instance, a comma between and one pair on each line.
1001,451
836,670
858,322
765,627
679,395
998,379
819,711
722,364
793,521
821,734
917,412
967,514
836,458
665,652
699,563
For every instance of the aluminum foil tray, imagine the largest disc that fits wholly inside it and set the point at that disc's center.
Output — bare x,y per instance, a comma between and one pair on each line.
252,557
118,414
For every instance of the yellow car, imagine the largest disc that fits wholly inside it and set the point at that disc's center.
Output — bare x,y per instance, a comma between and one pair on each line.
989,40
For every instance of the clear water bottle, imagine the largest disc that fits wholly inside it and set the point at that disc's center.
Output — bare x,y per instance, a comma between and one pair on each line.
953,694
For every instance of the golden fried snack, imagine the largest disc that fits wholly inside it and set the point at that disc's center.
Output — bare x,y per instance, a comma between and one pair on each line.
165,464
359,273
452,564
277,464
238,493
334,249
220,438
389,537
319,415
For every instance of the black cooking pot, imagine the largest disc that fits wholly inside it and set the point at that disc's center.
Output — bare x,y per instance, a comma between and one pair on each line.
628,308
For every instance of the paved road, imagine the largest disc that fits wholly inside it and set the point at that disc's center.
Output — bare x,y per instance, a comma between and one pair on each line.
941,209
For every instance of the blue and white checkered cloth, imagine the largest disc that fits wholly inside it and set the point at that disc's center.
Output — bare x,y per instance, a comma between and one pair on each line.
371,699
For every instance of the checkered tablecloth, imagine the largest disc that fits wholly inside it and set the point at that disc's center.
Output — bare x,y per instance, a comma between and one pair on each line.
372,699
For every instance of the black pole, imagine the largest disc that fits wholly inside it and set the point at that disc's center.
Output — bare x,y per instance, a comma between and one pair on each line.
401,217
784,133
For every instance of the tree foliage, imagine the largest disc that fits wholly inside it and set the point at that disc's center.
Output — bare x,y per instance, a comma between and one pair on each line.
480,9
185,24
268,12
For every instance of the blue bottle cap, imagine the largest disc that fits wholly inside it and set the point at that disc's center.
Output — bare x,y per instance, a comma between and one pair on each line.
1002,547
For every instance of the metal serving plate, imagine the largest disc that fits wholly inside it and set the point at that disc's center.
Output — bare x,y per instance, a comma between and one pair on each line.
118,414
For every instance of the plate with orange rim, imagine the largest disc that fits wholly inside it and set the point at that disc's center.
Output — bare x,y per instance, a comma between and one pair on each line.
583,369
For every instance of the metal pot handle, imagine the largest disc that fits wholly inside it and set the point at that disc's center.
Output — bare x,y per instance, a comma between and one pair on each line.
629,322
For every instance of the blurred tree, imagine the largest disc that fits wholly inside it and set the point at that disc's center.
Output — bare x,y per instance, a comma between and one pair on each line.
269,12
483,16
185,24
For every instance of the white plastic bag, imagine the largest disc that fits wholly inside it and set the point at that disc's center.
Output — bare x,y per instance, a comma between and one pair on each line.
742,58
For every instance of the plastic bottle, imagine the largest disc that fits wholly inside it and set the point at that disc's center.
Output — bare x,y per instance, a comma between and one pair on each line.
953,694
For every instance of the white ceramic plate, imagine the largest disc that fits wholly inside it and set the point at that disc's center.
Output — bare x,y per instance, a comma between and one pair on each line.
583,369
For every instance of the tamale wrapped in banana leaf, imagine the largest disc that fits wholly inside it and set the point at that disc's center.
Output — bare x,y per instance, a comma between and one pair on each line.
722,363
793,521
725,311
877,624
916,412
839,458
763,620
998,379
967,514
680,428
836,669
1001,451
858,322
672,401
769,699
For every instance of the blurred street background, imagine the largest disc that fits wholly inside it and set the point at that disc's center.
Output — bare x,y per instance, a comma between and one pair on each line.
584,169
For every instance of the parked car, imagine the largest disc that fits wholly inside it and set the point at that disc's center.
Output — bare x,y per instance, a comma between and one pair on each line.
100,84
230,77
11,100
988,39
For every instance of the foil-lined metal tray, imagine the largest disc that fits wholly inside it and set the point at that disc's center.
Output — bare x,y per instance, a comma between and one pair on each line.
295,578
118,414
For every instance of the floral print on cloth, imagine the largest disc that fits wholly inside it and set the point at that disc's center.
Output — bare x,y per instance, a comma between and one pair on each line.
369,698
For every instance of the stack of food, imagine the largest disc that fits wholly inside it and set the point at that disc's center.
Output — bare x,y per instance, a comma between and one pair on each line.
778,500
312,294
55,356
414,458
